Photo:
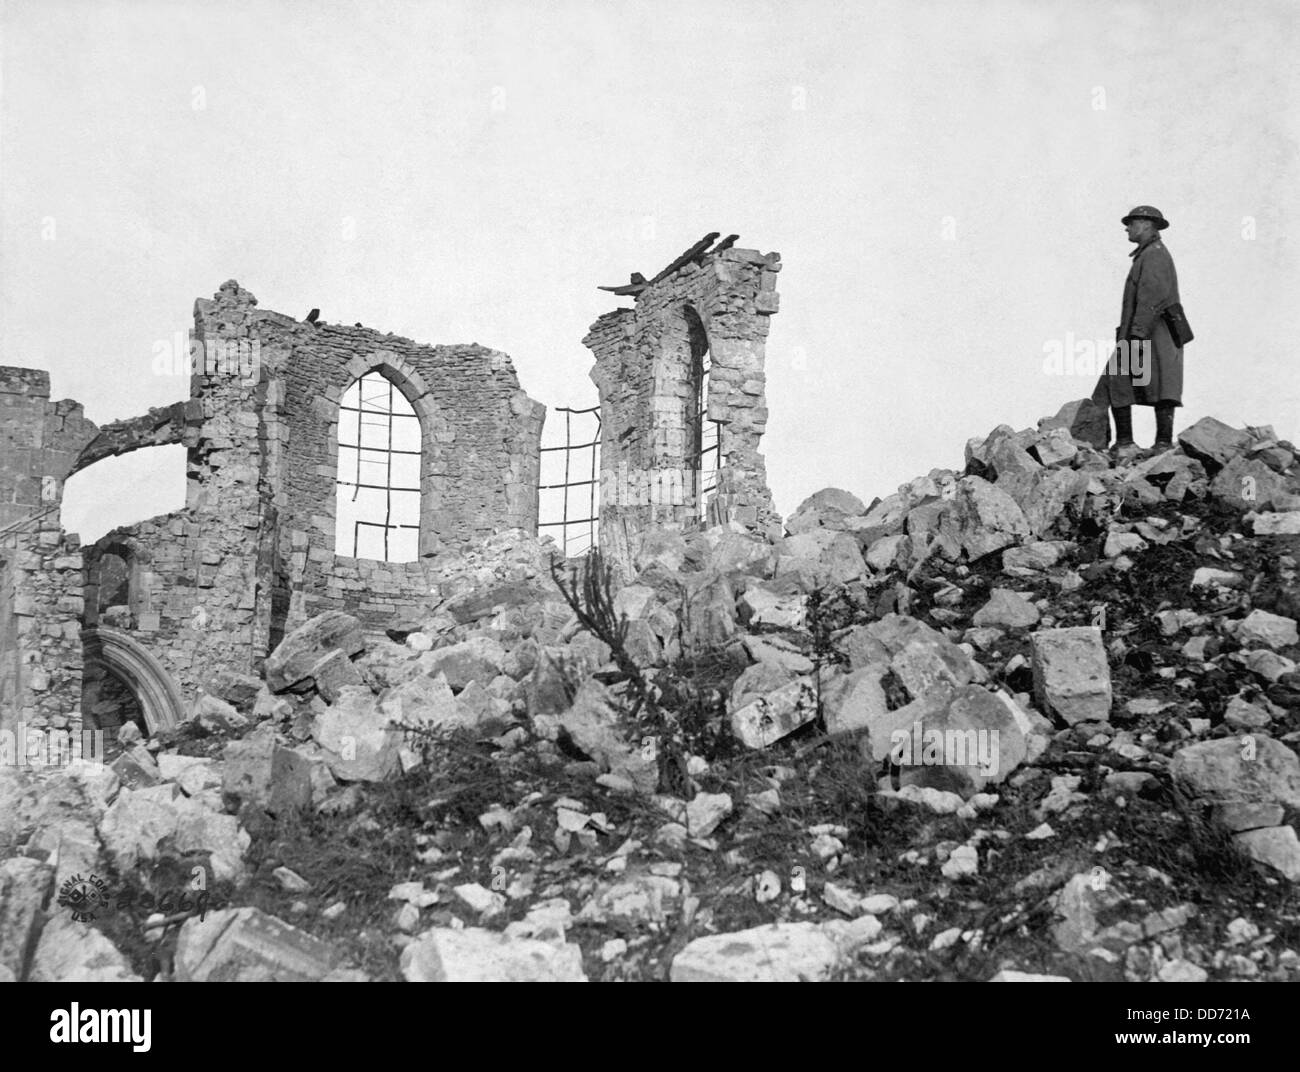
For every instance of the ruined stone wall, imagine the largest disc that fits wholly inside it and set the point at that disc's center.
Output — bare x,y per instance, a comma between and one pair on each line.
40,629
47,622
214,586
200,590
40,441
174,599
480,436
10,658
230,516
644,372
40,578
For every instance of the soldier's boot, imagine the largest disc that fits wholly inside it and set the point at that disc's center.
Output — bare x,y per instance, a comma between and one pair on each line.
1123,448
1164,426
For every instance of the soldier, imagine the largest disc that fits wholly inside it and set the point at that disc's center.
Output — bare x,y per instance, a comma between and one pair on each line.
1148,366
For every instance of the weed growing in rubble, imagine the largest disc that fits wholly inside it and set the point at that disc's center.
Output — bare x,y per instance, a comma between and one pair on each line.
825,613
589,591
679,709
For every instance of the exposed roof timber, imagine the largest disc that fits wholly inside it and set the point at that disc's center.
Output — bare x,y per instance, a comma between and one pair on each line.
638,282
634,286
696,250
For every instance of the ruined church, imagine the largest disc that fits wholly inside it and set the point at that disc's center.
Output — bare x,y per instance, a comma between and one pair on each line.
328,467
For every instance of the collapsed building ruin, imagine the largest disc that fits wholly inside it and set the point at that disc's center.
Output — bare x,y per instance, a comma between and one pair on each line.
681,381
131,627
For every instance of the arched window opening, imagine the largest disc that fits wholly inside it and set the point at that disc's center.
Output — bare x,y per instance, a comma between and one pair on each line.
377,512
120,492
114,582
116,590
704,455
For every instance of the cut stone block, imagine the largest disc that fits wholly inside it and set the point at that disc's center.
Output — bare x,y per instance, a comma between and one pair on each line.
1270,630
778,714
1282,524
852,703
476,955
1276,846
1249,769
780,953
332,672
1071,674
293,659
245,945
1214,442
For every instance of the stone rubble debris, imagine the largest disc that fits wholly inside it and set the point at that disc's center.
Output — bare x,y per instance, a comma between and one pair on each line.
947,637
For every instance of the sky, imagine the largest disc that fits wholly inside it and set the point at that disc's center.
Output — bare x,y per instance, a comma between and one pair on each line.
944,182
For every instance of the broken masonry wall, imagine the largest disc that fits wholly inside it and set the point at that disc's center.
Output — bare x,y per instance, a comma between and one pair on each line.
40,567
40,442
215,586
228,498
49,638
40,629
200,590
647,361
195,592
10,702
172,603
480,441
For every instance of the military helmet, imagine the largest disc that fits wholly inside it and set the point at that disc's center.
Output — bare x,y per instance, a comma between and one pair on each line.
1146,212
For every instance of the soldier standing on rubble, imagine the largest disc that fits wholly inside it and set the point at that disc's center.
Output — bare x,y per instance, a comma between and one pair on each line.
1148,366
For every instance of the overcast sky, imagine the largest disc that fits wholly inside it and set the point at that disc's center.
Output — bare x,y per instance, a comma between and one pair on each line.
943,180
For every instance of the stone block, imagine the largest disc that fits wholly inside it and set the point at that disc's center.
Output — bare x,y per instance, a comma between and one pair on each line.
333,672
293,659
765,720
474,954
1071,673
477,659
852,703
246,945
780,952
1084,420
1260,627
1213,442
1250,769
1276,846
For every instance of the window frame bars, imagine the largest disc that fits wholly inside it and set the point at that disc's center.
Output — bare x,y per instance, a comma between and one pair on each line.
566,522
705,480
367,404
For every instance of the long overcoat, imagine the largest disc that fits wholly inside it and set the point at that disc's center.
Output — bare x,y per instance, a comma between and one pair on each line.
1151,287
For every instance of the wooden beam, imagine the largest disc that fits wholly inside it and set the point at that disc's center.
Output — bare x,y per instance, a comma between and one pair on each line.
690,255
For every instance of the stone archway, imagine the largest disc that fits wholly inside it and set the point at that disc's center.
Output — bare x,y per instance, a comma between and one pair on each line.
161,703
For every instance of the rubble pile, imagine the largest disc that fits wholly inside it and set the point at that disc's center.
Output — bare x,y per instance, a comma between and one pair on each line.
919,736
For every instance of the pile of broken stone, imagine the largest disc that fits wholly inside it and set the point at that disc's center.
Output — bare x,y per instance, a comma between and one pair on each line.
999,562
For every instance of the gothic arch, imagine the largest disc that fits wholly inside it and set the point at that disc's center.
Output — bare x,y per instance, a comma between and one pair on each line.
160,699
412,387
703,454
136,560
